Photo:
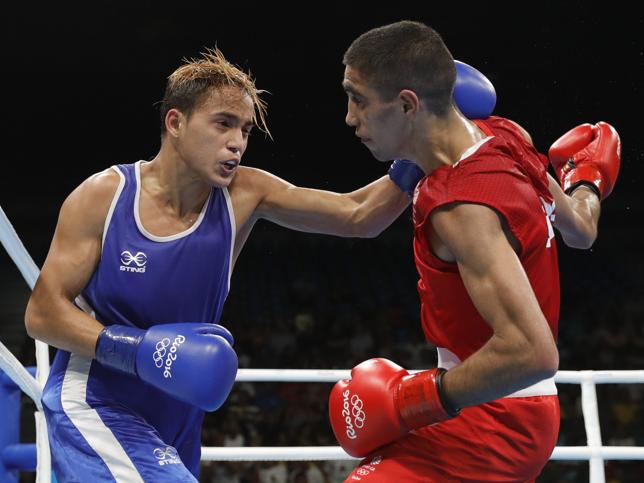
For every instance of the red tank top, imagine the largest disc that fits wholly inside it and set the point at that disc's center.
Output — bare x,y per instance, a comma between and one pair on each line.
507,174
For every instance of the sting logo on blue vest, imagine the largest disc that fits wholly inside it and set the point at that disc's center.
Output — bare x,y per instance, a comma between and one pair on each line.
139,260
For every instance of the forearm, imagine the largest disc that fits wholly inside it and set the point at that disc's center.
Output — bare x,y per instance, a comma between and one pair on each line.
379,204
61,324
577,215
502,366
361,213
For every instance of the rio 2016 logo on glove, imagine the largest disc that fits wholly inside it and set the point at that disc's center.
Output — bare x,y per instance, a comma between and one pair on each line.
161,351
354,411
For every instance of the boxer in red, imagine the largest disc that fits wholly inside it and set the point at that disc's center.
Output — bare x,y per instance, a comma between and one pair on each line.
489,282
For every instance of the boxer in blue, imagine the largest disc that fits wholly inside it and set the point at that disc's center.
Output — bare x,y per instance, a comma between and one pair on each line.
138,272
139,268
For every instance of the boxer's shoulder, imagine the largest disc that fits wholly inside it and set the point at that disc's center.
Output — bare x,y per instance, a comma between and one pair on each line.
90,202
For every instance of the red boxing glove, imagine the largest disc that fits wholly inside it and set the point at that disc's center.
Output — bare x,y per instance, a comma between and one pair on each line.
589,155
382,402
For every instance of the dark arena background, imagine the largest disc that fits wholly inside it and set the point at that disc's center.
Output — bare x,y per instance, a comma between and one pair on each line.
79,87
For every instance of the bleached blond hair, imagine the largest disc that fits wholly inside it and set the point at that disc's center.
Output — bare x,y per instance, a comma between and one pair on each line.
192,83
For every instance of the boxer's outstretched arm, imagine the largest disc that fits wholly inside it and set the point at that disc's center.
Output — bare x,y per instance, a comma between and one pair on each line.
365,212
522,349
73,255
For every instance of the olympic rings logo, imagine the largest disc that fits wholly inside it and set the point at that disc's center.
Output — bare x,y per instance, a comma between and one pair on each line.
159,355
357,412
353,413
160,351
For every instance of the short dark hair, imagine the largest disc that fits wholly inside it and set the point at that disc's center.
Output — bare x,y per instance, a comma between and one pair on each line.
192,83
405,55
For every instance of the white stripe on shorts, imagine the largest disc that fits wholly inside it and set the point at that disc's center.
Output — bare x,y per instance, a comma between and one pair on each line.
90,425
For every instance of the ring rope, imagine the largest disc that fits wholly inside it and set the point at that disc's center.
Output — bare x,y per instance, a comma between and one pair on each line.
13,368
323,453
29,270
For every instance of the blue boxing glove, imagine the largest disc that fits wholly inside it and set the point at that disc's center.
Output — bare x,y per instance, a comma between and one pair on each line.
192,362
474,94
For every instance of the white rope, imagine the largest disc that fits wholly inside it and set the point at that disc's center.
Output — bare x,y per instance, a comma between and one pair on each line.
334,375
577,453
291,375
29,270
18,374
277,453
17,251
323,453
600,377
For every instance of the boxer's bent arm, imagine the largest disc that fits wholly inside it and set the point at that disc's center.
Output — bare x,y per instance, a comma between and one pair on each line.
576,215
522,349
362,213
73,255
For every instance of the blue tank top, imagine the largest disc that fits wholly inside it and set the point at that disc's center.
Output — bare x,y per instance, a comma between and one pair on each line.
143,280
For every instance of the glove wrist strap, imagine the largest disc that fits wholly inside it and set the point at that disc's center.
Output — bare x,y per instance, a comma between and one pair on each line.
406,175
116,347
586,175
420,402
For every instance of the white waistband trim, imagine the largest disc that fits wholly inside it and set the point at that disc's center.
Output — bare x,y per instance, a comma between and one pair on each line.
448,360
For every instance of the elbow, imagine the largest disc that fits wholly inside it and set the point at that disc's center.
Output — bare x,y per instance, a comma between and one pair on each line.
590,235
583,240
544,361
548,367
34,320
535,358
581,233
583,245
371,232
31,321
